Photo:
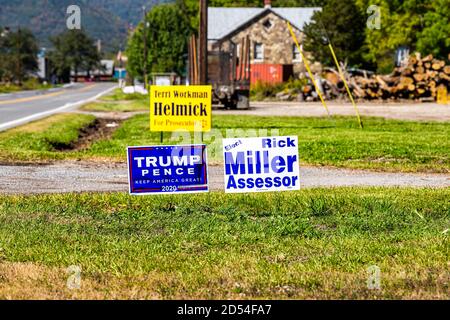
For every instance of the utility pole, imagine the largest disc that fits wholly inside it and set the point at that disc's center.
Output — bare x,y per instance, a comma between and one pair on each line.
203,43
145,47
19,56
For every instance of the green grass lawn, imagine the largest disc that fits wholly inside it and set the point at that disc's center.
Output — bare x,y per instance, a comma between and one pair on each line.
38,141
118,96
119,102
316,243
124,106
388,145
30,84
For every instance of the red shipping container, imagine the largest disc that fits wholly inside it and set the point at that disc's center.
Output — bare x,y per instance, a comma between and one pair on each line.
271,73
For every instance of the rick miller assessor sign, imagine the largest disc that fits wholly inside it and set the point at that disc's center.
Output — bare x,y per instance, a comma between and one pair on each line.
261,164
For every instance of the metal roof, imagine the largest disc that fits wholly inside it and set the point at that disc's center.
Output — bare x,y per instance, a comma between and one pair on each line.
223,21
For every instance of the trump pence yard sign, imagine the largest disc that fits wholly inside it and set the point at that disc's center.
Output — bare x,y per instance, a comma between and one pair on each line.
180,108
167,169
261,164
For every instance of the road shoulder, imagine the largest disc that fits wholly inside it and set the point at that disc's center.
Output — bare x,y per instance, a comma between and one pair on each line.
82,176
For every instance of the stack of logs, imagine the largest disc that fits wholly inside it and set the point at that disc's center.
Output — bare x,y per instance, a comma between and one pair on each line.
419,79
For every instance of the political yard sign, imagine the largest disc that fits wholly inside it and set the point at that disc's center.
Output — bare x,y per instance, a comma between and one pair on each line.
261,164
167,169
180,108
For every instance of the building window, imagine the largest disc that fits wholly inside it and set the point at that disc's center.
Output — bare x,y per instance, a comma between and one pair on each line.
258,53
267,24
296,56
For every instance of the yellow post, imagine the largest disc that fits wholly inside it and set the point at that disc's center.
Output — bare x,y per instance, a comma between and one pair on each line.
346,86
308,69
442,95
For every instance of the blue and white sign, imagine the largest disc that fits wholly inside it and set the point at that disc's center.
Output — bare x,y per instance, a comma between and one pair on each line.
261,164
167,169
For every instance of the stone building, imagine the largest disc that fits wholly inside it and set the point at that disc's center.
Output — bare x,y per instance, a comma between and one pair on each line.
274,57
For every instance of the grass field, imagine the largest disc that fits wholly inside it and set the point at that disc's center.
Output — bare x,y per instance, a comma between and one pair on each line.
125,106
119,102
118,96
38,141
31,84
387,145
316,243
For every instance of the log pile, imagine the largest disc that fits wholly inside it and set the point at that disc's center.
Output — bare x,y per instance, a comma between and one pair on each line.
419,79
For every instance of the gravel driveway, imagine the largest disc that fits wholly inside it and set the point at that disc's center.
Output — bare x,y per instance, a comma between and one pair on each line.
84,177
397,110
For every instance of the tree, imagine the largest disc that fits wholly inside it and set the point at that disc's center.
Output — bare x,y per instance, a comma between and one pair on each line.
435,35
167,38
2,52
421,25
73,50
18,55
341,22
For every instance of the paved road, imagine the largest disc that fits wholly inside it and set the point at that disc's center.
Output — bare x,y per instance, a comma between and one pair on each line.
397,110
23,107
97,177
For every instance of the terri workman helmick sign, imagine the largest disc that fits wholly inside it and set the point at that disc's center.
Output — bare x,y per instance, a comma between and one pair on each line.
167,169
180,108
261,164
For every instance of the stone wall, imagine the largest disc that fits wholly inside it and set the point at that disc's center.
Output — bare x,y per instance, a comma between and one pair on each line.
276,39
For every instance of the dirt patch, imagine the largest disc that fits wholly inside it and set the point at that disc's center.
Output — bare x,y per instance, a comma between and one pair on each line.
26,280
100,129
107,176
399,110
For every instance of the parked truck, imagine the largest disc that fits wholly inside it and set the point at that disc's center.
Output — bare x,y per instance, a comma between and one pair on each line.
229,75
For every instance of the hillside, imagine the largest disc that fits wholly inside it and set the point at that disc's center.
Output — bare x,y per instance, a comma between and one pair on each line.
107,20
129,11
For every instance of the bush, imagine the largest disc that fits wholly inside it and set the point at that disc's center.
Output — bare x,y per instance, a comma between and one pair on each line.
29,84
262,90
34,84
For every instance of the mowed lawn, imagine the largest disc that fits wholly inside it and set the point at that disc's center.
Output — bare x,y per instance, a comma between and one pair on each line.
314,244
387,145
118,101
